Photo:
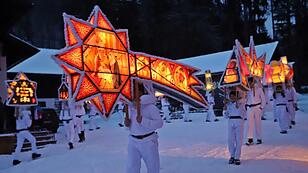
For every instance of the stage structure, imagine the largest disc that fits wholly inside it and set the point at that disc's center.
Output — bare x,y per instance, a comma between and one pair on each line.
100,66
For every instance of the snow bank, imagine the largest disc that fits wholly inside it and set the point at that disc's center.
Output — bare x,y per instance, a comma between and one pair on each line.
184,148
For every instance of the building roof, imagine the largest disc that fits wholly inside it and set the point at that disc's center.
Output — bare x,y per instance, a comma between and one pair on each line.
217,62
42,63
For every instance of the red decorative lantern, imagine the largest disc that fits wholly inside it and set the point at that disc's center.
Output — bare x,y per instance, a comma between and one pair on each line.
234,75
21,91
100,65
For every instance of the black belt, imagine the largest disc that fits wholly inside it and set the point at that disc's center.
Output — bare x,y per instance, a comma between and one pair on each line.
67,121
19,130
79,116
235,117
281,104
271,99
253,105
165,105
143,136
290,100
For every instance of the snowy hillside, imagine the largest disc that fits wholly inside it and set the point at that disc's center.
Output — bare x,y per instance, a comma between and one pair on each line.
184,148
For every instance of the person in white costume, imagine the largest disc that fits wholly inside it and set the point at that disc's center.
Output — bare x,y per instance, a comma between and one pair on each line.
280,101
79,112
186,113
67,117
210,116
93,114
235,127
142,120
23,123
255,104
120,113
291,98
165,108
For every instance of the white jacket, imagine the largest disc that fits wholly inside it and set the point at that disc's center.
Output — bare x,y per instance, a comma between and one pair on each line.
255,96
151,119
24,121
291,94
232,110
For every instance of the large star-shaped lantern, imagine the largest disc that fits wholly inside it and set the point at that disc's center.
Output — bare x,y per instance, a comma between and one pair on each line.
251,65
98,60
21,91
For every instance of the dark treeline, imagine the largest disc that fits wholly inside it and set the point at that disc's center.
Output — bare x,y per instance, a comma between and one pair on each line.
180,28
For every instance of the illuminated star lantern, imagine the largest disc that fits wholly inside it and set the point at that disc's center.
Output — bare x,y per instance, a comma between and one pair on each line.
251,65
100,65
21,91
63,93
234,75
287,68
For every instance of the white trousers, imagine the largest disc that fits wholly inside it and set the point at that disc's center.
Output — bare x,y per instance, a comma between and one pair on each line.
283,117
21,136
186,113
79,124
93,122
210,114
235,137
143,149
254,122
166,112
275,112
291,110
69,130
120,113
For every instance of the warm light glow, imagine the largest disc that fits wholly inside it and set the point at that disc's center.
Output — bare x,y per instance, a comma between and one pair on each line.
98,63
278,75
158,94
209,86
21,91
284,60
63,93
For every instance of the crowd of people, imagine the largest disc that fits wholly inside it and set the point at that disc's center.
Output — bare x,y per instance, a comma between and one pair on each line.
142,118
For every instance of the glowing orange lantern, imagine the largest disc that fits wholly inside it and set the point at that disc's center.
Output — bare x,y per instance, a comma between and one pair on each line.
267,78
251,65
209,85
21,91
234,74
63,93
100,65
278,75
284,60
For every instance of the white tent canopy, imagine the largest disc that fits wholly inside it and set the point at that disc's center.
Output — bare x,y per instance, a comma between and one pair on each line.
42,63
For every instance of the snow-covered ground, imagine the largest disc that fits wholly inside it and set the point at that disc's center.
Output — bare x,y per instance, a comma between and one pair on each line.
184,148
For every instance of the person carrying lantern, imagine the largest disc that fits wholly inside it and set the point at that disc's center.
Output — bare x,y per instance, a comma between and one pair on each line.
210,113
254,106
235,127
23,123
120,113
67,117
186,113
165,108
79,112
142,119
291,98
93,113
280,102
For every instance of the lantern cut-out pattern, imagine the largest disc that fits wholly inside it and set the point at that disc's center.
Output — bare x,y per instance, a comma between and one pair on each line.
251,65
63,93
234,74
21,91
278,75
100,65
